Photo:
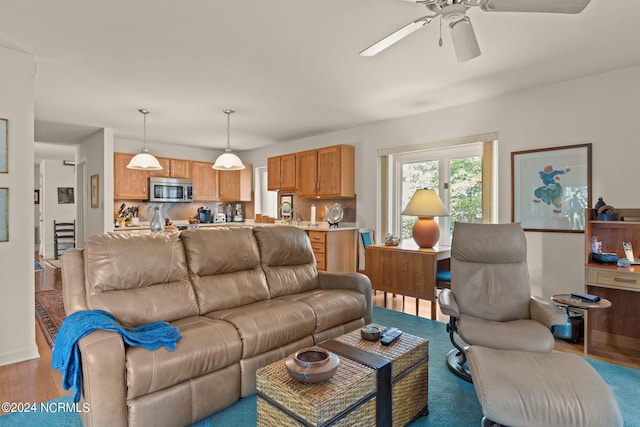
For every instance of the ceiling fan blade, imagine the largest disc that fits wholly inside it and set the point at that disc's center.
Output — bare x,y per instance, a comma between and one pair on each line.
396,36
541,6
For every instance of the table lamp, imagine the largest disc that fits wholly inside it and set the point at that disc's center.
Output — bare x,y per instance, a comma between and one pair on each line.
425,204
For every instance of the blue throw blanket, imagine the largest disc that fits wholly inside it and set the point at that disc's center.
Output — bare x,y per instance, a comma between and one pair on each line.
66,353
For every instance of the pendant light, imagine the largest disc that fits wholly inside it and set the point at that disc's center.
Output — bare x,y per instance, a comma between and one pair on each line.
143,160
228,161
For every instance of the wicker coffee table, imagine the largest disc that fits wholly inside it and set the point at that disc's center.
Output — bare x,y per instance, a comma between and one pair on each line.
374,385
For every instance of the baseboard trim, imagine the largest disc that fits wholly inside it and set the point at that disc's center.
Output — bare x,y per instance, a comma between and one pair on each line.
19,356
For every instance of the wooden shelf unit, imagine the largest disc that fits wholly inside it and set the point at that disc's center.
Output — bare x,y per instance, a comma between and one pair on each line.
613,332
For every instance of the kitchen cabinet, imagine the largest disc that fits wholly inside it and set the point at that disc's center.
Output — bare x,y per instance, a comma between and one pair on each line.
129,184
235,186
282,172
173,168
327,172
205,182
334,250
613,332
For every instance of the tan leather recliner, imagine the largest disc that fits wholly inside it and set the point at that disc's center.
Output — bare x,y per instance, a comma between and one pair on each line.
490,302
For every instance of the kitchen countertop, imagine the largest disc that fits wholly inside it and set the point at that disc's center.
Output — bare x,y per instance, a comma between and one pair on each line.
304,225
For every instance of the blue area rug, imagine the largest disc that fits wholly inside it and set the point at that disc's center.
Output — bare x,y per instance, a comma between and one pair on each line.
38,266
452,401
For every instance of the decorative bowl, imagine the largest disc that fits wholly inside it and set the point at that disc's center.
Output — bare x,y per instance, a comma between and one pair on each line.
312,365
393,242
370,333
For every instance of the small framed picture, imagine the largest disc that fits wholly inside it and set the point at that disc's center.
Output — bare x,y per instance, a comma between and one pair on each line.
65,195
95,191
4,214
4,145
36,197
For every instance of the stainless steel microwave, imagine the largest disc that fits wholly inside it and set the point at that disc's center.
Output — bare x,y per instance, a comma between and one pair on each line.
170,190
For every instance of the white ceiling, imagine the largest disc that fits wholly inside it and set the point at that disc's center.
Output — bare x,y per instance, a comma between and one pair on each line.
290,68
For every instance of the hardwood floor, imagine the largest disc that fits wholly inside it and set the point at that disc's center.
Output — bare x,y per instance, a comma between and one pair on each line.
34,381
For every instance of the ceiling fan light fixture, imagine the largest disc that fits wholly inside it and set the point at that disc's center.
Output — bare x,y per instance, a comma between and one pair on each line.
464,39
143,160
228,161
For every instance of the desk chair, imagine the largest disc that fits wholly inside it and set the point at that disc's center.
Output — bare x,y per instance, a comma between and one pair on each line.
367,237
490,302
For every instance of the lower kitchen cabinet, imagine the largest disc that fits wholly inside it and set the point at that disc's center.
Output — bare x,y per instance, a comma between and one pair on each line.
335,250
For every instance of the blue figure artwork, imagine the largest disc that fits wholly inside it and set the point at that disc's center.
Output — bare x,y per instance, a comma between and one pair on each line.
551,191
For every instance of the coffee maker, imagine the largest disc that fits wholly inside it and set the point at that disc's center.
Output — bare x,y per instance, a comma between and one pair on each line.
204,215
238,217
229,212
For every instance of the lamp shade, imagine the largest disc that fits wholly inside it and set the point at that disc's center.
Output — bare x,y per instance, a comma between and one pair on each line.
464,40
228,162
425,204
144,161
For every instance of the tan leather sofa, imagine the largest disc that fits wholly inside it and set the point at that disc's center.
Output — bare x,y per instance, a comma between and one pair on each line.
241,297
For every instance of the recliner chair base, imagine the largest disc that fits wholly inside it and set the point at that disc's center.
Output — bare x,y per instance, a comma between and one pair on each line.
460,369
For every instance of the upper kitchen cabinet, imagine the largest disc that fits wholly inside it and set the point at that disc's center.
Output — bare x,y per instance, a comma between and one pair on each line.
205,182
235,186
327,172
129,184
173,168
281,172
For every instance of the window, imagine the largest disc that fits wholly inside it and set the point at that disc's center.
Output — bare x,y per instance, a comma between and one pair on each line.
455,172
266,202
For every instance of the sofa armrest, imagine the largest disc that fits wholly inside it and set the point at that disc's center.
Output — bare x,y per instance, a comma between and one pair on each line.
448,304
73,290
547,313
103,379
354,281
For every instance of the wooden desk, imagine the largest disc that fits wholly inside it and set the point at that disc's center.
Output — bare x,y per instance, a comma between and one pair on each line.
406,270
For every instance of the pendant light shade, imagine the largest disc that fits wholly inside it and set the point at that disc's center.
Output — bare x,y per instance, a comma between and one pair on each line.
228,161
144,160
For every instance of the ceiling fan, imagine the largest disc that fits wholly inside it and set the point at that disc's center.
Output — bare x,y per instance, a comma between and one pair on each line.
464,39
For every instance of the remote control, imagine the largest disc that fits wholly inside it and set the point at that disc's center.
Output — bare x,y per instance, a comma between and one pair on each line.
388,331
388,338
587,297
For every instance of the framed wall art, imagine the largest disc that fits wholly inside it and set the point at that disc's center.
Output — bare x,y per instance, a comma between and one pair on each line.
4,145
4,214
65,195
551,187
95,191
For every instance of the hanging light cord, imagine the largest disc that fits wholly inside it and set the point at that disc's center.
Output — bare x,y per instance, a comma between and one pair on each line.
228,113
144,127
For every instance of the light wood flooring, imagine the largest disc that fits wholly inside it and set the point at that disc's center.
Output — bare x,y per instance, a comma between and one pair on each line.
34,381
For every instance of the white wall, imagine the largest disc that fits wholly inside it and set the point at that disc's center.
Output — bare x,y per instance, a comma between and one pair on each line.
599,109
167,150
95,157
17,334
54,175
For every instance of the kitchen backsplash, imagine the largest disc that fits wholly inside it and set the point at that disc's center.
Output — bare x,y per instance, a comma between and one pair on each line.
184,211
302,207
180,211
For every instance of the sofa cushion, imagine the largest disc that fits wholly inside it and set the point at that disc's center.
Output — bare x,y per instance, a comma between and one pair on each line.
287,259
139,278
206,346
224,264
332,307
268,324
